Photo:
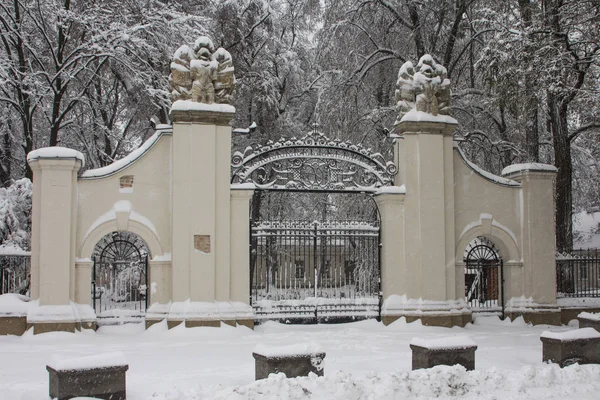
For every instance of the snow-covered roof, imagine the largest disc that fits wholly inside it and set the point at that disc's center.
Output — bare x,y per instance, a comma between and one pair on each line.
130,158
55,152
538,167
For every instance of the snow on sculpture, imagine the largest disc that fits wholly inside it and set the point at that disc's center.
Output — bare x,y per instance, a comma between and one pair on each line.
202,75
425,88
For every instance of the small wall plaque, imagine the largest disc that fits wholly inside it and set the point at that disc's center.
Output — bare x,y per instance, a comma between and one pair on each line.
202,243
126,184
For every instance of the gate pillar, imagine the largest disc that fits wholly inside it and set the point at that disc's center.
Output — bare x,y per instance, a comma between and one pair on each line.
536,300
429,289
201,201
394,274
241,194
53,222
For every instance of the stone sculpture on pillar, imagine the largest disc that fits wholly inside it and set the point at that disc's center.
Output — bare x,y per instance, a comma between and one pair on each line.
425,88
202,75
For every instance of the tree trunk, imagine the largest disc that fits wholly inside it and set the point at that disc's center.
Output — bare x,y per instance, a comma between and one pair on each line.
557,114
6,157
530,101
418,37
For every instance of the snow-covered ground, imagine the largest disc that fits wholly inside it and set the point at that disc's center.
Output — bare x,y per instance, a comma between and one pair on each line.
365,360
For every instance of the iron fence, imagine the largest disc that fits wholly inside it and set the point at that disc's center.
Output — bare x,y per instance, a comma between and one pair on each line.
14,273
578,273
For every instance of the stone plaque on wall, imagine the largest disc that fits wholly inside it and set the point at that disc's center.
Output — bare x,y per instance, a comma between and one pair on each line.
202,243
126,181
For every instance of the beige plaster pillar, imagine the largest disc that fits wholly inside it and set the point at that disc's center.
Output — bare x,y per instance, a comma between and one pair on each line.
421,281
201,203
240,242
429,209
53,225
538,284
394,274
159,282
83,282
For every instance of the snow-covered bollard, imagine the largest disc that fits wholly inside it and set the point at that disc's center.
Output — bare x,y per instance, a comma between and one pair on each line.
293,360
577,346
427,353
589,320
100,376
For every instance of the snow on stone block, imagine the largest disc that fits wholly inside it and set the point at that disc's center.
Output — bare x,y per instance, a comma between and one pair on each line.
188,105
443,351
41,314
292,360
591,316
13,314
420,116
569,336
589,320
55,152
451,342
581,346
534,167
395,304
14,305
293,350
98,376
114,359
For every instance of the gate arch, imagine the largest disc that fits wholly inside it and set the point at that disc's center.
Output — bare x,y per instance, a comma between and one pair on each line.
313,162
120,276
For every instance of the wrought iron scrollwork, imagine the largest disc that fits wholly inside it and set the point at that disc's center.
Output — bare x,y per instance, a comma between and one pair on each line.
313,162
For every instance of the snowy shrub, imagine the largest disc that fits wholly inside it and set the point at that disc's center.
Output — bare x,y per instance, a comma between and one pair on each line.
15,214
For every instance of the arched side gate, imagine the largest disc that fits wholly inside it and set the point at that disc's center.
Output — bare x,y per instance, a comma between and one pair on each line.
484,277
120,277
308,265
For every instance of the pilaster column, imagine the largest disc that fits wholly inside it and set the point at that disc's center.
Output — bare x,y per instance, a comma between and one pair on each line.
240,242
539,241
53,227
395,278
201,201
429,208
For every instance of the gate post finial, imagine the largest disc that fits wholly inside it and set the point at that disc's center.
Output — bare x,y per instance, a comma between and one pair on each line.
202,83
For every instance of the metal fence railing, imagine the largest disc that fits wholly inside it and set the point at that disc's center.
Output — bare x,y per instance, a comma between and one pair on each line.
578,273
14,273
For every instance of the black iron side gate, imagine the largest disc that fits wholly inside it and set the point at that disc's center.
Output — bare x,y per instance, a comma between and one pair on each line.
484,278
120,278
315,271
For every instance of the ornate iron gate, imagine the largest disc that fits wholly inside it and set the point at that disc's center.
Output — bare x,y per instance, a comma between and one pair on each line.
120,276
306,271
322,267
484,277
